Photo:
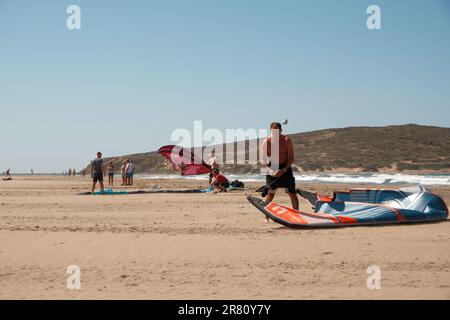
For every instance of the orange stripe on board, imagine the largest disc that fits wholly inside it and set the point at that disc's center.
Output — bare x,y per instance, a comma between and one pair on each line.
346,220
321,216
295,218
325,199
287,214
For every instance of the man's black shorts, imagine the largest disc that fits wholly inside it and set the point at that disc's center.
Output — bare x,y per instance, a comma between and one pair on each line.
287,181
97,176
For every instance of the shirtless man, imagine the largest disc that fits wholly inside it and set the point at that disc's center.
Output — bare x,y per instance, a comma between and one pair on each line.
213,164
97,171
279,169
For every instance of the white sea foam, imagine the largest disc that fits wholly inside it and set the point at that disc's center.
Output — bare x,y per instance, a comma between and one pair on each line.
381,178
376,178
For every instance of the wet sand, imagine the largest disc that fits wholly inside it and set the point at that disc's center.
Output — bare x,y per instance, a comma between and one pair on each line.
201,246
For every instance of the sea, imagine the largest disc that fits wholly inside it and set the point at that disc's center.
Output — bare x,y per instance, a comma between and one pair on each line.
364,178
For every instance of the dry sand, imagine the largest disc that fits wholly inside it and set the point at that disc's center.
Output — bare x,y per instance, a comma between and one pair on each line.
205,246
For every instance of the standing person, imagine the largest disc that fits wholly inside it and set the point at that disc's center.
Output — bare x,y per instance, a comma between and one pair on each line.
32,171
97,171
74,172
110,169
8,174
123,172
69,173
213,164
130,172
278,166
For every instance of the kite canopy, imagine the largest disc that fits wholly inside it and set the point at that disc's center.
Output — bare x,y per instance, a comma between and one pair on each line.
359,207
184,160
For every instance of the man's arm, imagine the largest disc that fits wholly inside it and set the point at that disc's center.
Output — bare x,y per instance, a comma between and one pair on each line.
290,153
289,160
263,155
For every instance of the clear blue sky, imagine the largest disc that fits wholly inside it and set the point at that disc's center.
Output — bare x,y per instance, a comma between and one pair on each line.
139,69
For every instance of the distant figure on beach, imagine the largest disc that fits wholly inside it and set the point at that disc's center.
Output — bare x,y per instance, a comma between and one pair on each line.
279,169
97,171
123,172
69,173
7,175
74,172
32,171
213,164
130,172
110,169
219,181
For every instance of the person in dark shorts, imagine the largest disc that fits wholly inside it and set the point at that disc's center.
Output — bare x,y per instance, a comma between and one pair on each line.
278,165
97,171
219,181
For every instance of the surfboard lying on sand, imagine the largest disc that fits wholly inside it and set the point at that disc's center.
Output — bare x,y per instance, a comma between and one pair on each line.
360,207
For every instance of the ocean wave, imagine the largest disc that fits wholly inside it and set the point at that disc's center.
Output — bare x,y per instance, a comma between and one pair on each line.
382,179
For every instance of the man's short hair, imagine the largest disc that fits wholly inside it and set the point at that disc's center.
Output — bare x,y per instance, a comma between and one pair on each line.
99,154
275,125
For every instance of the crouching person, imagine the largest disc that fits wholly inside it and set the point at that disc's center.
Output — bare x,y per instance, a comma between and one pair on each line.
219,181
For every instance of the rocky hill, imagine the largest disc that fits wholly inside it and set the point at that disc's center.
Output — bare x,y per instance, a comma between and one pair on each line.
411,148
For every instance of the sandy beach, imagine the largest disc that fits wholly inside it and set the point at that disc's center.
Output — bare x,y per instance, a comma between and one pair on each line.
201,246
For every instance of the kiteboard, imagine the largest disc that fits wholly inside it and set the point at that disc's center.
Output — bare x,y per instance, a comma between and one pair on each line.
359,207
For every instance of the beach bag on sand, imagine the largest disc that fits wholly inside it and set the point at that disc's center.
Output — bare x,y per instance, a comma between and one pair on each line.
237,184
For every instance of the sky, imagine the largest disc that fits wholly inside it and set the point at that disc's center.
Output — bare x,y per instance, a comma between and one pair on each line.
138,70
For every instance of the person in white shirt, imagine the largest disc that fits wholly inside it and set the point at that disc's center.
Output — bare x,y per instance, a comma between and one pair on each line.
130,172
